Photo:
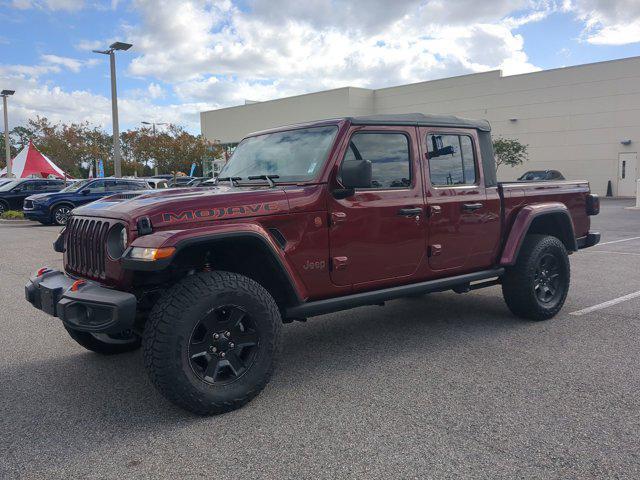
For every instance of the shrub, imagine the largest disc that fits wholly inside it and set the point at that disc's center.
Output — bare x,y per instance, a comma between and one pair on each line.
12,215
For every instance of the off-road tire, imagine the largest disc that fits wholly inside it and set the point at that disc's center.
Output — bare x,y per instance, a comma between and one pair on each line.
519,282
105,344
170,326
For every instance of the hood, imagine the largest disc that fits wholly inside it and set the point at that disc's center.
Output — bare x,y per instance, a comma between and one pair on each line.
172,207
41,196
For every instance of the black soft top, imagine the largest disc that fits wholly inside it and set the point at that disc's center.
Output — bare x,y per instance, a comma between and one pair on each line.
421,120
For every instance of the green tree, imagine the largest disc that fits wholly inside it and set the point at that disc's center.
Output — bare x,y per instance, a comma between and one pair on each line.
510,152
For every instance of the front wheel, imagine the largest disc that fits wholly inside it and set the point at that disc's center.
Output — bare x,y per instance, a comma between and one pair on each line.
106,344
211,342
536,287
60,214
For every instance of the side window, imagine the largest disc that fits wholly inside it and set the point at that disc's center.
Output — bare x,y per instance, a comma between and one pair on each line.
119,186
28,186
139,186
41,186
388,154
451,160
98,187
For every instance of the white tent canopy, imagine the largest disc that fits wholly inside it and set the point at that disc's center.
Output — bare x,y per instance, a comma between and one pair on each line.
30,163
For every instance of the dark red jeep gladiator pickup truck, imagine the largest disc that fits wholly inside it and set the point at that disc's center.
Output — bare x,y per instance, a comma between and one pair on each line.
306,220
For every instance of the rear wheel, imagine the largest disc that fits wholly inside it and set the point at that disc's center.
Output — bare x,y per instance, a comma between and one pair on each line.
60,214
106,344
3,207
211,342
536,287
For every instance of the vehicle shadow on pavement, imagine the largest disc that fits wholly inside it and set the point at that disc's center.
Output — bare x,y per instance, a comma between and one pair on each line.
80,396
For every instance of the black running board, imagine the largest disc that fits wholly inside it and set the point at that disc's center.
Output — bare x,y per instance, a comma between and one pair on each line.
320,307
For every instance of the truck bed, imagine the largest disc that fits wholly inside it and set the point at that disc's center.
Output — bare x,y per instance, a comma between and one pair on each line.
571,193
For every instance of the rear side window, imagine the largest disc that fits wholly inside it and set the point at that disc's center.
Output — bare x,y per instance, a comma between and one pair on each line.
137,186
451,160
98,186
388,154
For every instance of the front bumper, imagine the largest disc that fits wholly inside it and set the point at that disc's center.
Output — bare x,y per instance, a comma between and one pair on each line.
37,215
88,307
592,238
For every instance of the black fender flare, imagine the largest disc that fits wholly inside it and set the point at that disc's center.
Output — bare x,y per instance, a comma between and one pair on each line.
522,224
294,283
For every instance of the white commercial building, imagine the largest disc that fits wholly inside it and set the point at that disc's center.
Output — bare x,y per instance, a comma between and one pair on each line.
583,121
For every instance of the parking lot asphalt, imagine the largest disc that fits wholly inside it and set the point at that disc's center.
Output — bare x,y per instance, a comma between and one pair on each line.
441,386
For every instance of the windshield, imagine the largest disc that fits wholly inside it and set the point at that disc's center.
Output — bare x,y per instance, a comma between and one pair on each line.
293,155
8,186
74,187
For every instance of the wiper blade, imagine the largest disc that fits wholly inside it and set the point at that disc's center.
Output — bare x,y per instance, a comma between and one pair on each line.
232,180
268,178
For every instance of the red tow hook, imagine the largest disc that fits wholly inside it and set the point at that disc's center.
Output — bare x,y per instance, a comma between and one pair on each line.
76,285
42,271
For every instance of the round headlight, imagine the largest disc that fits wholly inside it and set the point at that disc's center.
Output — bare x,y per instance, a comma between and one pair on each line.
117,241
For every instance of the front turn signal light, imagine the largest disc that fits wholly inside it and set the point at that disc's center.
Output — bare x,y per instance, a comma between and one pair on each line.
151,254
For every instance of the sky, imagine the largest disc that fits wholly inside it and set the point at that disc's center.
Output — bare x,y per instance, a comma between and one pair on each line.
190,56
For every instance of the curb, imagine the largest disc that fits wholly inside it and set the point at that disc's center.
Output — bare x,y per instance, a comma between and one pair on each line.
15,222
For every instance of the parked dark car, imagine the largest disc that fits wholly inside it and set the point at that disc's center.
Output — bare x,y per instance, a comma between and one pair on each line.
13,192
48,208
541,175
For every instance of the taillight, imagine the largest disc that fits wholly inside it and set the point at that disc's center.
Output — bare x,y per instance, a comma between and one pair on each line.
593,204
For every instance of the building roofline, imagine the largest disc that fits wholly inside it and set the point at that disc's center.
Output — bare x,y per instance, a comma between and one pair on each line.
444,79
289,97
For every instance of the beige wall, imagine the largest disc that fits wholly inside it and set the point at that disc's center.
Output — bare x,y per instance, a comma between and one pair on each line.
573,119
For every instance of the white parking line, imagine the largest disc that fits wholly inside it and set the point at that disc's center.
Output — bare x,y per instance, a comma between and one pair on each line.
618,241
611,251
600,306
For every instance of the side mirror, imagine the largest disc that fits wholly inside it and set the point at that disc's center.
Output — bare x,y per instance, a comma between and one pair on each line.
86,191
356,174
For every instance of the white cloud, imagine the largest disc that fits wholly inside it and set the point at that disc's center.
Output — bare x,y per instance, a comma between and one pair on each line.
608,22
155,91
212,54
211,51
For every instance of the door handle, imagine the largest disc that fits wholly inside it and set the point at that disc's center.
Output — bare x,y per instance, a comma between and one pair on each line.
410,212
471,207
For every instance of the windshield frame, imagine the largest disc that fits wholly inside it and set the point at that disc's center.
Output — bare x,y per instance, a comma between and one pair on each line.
7,187
320,169
74,187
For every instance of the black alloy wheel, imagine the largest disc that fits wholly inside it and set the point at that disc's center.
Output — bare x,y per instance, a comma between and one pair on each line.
223,345
548,279
61,215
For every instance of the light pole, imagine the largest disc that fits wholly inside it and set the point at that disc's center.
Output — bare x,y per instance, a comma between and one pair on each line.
153,129
117,160
4,94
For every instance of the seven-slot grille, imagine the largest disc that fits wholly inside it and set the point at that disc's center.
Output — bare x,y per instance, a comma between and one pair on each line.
86,240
